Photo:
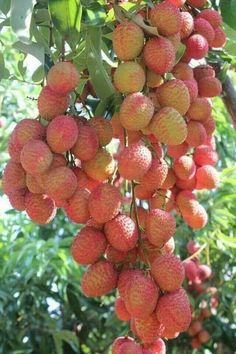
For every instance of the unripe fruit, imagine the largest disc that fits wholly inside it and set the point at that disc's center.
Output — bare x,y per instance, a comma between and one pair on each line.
207,177
196,46
204,28
36,157
130,348
104,203
155,176
121,310
40,208
84,181
182,71
192,246
62,133
136,111
121,233
177,151
99,279
149,329
163,199
87,143
26,130
129,77
77,206
32,184
83,250
198,219
159,55
63,77
134,161
203,336
200,109
174,94
196,134
219,39
17,199
166,17
204,272
50,104
103,129
153,79
169,126
187,24
168,272
60,183
209,87
170,306
101,166
118,342
141,296
196,3
192,87
212,16
158,347
191,271
125,277
13,177
205,155
160,227
184,167
127,40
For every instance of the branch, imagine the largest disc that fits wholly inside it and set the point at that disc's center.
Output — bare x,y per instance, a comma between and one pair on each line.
229,98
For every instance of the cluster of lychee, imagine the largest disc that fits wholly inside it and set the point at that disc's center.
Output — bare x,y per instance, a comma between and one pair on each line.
198,276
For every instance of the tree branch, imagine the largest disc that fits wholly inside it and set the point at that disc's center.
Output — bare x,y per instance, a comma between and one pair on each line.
229,98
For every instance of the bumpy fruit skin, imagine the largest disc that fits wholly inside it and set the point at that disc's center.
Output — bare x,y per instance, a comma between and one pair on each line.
177,150
127,40
187,24
134,161
115,256
83,250
136,111
13,148
175,40
153,79
209,87
210,126
198,219
129,348
87,143
62,133
103,129
32,184
186,202
13,177
196,46
196,134
149,329
60,183
178,3
84,181
129,77
160,227
117,343
204,28
188,184
164,199
192,87
168,272
104,203
40,208
77,206
101,166
50,104
202,71
141,295
174,94
190,270
169,126
155,176
200,109
121,310
212,16
166,17
17,199
124,278
205,155
158,347
169,308
142,193
196,3
207,177
159,55
99,279
36,157
121,233
63,77
204,272
219,39
170,180
183,71
26,130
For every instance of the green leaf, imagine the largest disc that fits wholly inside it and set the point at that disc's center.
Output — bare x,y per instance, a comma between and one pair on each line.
2,66
100,78
66,17
228,11
180,52
5,6
35,49
21,13
95,15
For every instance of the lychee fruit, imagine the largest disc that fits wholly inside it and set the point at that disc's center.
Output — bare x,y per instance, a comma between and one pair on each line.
77,206
204,28
99,279
149,329
183,71
204,272
184,167
162,199
205,155
212,16
202,71
186,202
177,151
101,166
187,24
209,87
178,3
196,134
104,203
87,143
17,199
196,46
207,177
121,310
124,278
127,40
203,336
160,226
129,77
192,246
155,176
192,87
158,347
200,109
40,208
129,348
153,80
209,125
118,341
83,250
166,17
136,111
63,77
26,130
219,40
191,270
33,185
198,219
103,129
195,328
51,104
142,193
121,233
13,177
84,181
188,184
60,183
195,343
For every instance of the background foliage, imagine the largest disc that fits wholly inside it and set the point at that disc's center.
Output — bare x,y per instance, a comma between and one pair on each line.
42,309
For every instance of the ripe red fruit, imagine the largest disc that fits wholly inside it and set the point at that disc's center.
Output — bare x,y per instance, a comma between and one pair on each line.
33,185
60,183
118,341
51,104
121,310
163,199
129,77
204,272
196,134
155,176
184,167
83,250
160,227
141,295
200,109
86,144
134,161
17,199
192,89
191,270
26,130
188,184
129,348
159,55
99,279
192,246
203,336
40,208
103,129
202,71
63,77
84,181
168,272
101,166
195,343
212,16
182,71
104,203
209,87
195,328
158,347
204,28
149,329
177,151
121,233
166,17
169,308
205,155
187,24
207,177
196,46
186,202
219,39
77,206
13,177
198,219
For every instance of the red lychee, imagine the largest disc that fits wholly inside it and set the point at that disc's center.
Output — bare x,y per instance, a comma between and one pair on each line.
155,176
207,177
149,329
63,77
184,167
196,46
129,77
166,17
86,144
60,183
40,208
77,206
13,177
101,166
103,129
51,104
160,226
121,310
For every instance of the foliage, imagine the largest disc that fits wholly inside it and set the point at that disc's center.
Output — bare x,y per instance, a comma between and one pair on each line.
41,306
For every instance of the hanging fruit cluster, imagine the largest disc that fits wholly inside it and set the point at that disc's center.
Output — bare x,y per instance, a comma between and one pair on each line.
166,151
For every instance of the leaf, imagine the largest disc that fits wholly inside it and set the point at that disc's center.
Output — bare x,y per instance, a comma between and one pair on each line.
66,17
228,11
100,78
2,66
5,6
21,13
35,49
180,52
95,15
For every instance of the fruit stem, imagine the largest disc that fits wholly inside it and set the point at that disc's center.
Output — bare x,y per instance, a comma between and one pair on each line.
83,104
197,252
134,205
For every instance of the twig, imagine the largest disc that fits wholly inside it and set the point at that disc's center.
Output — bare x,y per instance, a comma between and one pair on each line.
196,253
134,205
